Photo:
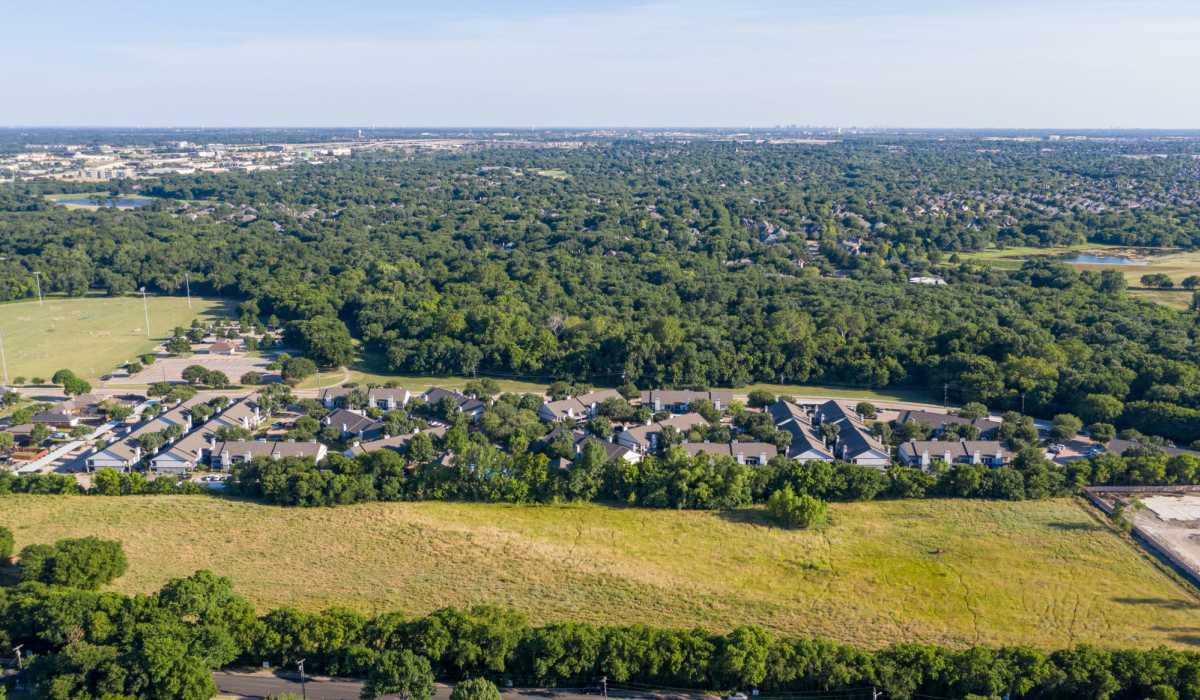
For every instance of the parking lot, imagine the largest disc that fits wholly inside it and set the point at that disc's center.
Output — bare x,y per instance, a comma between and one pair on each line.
170,369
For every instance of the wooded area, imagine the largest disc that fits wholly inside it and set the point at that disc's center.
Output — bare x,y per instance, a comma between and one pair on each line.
676,264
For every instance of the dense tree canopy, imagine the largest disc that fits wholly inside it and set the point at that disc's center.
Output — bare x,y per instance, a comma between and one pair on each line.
662,263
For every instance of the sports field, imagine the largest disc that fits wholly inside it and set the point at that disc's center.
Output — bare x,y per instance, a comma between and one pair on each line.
91,335
1045,573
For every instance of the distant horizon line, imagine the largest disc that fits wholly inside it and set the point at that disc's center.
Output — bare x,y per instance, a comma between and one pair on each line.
528,128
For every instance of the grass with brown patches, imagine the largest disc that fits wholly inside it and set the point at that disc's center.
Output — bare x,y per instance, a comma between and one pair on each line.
956,572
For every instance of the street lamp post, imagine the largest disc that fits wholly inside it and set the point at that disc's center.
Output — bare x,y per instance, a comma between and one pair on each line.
303,691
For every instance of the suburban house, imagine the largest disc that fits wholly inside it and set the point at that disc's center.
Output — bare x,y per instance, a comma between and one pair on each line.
85,405
807,444
222,347
383,398
754,453
579,438
388,399
397,443
580,407
987,427
227,454
195,448
125,454
645,438
472,407
354,423
334,397
56,418
680,401
1120,446
853,442
923,453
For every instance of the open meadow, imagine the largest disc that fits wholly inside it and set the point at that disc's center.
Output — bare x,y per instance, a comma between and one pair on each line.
91,335
959,572
1176,265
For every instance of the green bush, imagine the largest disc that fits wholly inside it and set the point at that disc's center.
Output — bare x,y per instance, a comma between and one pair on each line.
6,544
475,689
803,511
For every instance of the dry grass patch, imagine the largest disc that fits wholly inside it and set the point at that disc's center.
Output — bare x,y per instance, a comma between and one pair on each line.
955,572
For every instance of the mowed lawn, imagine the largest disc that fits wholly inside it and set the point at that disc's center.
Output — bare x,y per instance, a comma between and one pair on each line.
91,335
954,571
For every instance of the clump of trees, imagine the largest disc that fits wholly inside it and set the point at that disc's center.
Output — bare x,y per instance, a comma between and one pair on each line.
165,645
105,482
72,385
87,563
211,378
480,471
6,544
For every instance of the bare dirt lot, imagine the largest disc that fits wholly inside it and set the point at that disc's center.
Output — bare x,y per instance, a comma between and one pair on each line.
1173,520
171,369
1167,519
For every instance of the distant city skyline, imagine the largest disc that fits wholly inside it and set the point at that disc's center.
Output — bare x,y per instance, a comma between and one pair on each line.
598,63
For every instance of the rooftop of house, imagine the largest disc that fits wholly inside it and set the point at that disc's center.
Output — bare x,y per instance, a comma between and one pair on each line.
261,448
678,396
350,422
957,449
732,449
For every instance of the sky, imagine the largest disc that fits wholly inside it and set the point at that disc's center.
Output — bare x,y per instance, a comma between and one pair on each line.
591,63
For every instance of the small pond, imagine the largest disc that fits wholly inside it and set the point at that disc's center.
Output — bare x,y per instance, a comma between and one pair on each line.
118,203
1092,259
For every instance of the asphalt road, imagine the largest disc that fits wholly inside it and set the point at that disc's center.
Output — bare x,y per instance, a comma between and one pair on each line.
264,684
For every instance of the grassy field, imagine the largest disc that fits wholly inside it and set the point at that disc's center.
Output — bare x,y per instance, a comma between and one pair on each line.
60,198
1176,265
91,335
958,572
1019,252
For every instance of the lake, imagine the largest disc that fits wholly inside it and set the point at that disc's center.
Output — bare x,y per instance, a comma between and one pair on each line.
118,203
1089,259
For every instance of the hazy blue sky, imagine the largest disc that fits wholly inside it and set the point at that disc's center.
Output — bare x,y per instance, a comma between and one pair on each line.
1018,63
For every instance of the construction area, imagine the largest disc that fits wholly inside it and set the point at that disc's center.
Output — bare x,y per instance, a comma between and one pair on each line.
1164,518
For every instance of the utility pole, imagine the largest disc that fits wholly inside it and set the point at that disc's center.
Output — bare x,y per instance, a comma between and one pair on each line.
188,283
875,694
303,690
604,686
146,311
37,276
945,394
3,360
17,653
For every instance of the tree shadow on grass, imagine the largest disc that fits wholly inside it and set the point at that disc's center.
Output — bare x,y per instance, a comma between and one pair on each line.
748,516
1189,639
1164,603
1076,527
